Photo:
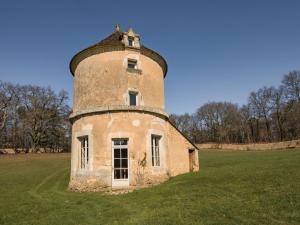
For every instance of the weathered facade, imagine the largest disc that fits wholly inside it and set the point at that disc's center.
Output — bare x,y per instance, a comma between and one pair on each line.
121,134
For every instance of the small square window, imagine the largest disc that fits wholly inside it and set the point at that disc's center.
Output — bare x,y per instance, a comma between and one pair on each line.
132,64
130,41
133,98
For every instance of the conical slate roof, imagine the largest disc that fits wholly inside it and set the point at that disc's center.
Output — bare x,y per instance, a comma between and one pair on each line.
115,38
114,43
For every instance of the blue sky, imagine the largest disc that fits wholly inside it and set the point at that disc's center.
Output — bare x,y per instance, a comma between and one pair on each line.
216,50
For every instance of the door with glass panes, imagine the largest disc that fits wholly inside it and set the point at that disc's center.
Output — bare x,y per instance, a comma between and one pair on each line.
120,173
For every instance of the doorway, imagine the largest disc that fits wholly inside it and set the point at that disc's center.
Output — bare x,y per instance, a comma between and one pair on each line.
120,174
192,159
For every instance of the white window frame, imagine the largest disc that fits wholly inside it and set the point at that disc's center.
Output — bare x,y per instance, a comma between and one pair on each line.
136,97
155,150
132,41
132,61
84,153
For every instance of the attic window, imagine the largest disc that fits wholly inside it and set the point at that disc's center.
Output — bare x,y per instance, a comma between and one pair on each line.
130,41
132,64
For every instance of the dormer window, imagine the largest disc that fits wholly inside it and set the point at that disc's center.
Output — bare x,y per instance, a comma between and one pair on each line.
130,41
132,64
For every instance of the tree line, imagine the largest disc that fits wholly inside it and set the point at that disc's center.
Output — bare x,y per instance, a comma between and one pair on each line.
271,114
33,118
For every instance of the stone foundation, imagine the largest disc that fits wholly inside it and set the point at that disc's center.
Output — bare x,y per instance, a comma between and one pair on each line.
87,184
92,184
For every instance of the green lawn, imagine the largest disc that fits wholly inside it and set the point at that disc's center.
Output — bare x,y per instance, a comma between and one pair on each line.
231,188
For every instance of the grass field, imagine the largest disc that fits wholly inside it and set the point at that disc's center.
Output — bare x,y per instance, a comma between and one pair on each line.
231,188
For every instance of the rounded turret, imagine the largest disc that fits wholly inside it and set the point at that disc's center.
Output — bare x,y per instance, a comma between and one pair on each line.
121,134
118,72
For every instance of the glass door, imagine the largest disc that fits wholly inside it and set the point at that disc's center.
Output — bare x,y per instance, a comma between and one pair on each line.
120,172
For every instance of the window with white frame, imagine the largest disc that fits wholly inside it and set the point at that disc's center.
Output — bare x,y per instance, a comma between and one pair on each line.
84,151
120,158
132,64
155,140
130,41
133,98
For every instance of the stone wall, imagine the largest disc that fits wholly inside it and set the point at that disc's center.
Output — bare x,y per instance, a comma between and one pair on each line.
41,150
179,153
7,151
251,147
104,80
137,127
101,129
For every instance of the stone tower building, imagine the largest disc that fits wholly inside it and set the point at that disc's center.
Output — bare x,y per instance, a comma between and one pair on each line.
121,134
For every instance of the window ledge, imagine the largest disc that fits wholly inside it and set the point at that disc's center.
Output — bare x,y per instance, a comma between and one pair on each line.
135,47
131,70
157,169
118,108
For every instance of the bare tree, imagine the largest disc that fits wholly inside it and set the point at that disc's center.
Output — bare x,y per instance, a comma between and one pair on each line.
278,111
271,114
261,106
182,122
33,117
220,120
43,111
291,85
6,99
291,89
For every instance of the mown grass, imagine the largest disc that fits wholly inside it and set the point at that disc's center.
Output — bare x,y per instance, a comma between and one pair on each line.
231,188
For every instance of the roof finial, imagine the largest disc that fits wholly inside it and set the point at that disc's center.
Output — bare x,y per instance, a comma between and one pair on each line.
130,30
117,27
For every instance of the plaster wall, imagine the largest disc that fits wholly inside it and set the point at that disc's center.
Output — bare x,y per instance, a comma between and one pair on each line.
179,148
101,129
138,128
104,80
102,83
